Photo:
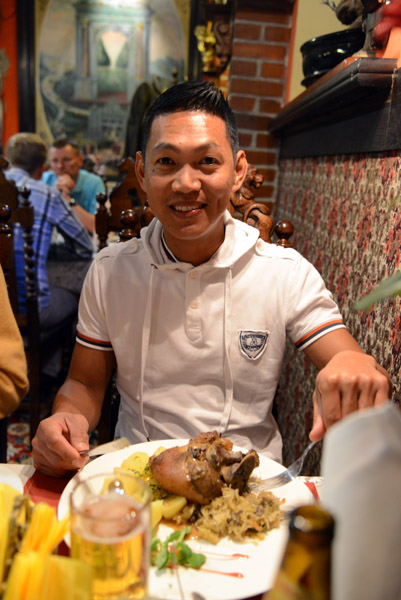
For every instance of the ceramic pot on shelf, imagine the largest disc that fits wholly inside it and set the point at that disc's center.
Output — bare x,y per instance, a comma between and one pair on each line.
323,53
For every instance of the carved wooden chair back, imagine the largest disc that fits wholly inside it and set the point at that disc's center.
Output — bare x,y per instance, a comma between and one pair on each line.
16,207
124,211
244,206
13,211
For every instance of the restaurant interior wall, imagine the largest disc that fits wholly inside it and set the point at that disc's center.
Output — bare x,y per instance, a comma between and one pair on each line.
256,86
9,86
311,18
340,184
258,71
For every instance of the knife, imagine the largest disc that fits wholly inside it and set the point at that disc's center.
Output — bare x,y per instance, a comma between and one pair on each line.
112,446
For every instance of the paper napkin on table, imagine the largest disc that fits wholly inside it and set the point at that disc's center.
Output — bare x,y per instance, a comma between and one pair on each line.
361,468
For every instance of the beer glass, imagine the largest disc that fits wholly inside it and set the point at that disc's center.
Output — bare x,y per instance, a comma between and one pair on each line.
110,531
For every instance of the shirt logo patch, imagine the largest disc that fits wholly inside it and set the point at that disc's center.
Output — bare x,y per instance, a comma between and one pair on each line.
253,343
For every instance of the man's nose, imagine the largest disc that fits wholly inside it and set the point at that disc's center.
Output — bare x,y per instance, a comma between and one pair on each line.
186,180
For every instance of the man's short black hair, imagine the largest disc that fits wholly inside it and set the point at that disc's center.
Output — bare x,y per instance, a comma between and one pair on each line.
191,96
63,142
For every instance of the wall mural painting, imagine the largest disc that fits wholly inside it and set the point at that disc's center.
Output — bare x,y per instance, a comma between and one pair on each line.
93,55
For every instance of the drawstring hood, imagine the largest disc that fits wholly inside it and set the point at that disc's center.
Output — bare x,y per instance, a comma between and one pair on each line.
223,260
144,349
228,378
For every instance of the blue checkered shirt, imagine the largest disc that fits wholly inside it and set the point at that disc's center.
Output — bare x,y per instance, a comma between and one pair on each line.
50,210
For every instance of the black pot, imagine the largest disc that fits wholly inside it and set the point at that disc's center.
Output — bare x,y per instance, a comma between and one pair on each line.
323,53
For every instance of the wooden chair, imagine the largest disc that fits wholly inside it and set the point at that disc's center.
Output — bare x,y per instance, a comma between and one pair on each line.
245,207
15,207
124,210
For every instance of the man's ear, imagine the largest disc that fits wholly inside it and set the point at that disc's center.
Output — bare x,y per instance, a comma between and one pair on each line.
241,167
140,170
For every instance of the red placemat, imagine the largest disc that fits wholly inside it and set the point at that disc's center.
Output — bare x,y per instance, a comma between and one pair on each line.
43,488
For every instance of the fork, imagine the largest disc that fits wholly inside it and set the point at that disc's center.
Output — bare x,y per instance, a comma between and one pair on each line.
284,477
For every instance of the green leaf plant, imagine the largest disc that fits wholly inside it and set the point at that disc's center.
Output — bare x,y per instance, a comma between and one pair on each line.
387,288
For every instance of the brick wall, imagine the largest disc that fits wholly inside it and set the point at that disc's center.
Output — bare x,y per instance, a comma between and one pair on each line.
257,86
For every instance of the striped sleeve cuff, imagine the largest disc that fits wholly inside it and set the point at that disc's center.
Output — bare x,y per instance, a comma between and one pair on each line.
318,332
92,343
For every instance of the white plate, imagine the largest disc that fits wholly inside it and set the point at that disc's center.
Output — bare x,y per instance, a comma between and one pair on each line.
249,574
8,476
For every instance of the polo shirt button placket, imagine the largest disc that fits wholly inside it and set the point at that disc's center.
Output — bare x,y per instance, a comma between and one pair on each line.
193,314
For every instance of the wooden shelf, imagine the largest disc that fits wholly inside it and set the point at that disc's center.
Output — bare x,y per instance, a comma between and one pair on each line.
353,108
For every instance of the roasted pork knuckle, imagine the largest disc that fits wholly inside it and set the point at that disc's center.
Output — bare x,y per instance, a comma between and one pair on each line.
200,469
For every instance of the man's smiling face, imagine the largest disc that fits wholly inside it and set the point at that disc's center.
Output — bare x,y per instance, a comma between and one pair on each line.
188,175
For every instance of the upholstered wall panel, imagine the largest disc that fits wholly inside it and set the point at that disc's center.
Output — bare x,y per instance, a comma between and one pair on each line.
347,216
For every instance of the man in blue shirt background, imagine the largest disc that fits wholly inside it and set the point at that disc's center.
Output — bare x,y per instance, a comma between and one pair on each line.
27,154
78,187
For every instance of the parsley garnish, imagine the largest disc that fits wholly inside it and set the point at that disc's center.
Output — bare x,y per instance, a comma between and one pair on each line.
174,551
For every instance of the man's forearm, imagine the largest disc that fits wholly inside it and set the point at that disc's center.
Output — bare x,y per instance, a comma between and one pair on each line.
75,397
86,218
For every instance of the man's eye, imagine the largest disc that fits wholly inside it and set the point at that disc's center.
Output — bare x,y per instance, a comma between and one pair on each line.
165,160
209,160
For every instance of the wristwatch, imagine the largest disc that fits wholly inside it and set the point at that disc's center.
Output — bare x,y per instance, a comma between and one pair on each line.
72,202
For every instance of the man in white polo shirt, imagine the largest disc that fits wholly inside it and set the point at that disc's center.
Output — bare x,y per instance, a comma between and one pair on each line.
196,312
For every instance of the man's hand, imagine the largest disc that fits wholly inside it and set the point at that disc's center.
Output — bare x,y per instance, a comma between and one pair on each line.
350,381
65,184
58,440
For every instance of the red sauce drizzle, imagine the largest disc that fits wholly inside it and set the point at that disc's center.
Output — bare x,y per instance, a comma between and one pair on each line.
218,556
235,574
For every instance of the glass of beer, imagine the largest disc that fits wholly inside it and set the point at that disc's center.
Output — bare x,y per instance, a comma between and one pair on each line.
110,531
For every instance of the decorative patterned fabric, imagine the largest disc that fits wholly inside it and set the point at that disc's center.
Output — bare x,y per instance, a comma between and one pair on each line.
346,212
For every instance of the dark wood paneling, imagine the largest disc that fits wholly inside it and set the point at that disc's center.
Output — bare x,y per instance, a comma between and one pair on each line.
354,108
282,6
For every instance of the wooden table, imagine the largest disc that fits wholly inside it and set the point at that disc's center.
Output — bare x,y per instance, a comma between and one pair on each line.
43,488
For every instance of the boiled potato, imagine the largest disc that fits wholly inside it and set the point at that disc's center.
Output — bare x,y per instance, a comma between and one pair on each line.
156,512
138,463
172,506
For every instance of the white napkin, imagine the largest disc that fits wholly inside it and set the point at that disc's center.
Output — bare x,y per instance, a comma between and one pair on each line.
361,468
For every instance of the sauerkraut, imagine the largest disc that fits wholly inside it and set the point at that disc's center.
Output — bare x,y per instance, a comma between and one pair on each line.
238,517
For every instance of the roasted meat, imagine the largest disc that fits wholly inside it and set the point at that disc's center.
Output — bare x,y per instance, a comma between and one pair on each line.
200,469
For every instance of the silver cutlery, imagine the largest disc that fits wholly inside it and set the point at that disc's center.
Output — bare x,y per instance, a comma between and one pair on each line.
284,477
112,446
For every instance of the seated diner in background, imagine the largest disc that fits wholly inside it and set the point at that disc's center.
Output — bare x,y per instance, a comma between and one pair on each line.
194,315
78,186
27,154
13,369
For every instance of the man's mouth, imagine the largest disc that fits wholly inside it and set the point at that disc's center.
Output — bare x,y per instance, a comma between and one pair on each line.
188,207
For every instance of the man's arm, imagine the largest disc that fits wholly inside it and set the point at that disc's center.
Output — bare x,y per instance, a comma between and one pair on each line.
70,227
86,218
76,411
348,380
65,184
